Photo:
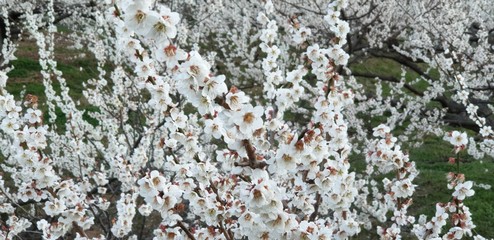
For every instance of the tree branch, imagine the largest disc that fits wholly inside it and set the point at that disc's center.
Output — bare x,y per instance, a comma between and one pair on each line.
186,230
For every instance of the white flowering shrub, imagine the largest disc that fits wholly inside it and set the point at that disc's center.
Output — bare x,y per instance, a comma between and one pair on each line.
183,148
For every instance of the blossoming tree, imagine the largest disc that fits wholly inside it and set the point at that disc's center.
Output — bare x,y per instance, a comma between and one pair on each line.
185,147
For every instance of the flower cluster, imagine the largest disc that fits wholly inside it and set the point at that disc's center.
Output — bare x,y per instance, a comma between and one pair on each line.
126,211
459,214
268,37
385,156
486,132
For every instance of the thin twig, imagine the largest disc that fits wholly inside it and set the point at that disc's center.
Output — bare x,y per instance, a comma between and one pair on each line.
316,207
186,230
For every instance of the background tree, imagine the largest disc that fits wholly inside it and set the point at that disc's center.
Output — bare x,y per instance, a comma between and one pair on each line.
236,119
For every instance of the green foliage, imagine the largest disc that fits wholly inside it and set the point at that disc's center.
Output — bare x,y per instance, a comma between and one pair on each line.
24,68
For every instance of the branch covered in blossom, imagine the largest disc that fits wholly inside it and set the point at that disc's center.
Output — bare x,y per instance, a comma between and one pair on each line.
183,148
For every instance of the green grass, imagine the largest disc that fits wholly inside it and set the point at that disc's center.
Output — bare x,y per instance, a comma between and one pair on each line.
24,68
386,67
89,119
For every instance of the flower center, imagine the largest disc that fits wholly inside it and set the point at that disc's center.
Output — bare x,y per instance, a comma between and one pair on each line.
160,27
249,117
287,158
234,100
140,16
170,51
156,181
257,194
195,70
